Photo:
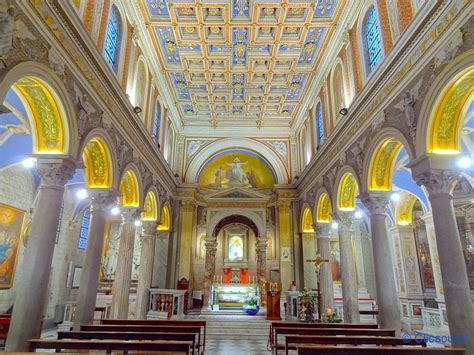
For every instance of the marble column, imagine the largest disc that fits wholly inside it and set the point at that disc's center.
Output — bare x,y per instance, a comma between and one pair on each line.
101,203
261,251
350,289
186,242
459,308
210,267
32,290
387,298
160,259
146,268
323,236
123,273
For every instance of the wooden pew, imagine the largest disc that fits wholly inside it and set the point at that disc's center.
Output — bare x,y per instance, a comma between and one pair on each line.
111,345
375,350
197,323
145,328
291,341
330,331
144,336
275,325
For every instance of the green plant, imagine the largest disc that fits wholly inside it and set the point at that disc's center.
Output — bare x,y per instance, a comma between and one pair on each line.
251,302
331,318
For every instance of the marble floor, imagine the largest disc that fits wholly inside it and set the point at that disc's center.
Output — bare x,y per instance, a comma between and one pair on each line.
236,347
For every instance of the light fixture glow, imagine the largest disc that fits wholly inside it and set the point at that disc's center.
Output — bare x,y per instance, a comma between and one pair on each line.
395,197
115,211
358,214
82,194
464,162
29,162
137,223
334,225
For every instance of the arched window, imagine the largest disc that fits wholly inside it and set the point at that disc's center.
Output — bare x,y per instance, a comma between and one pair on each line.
157,121
373,39
84,233
140,86
338,90
112,38
319,125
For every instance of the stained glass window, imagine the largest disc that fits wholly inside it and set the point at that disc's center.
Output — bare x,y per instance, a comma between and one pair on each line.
156,121
111,48
319,125
84,233
373,38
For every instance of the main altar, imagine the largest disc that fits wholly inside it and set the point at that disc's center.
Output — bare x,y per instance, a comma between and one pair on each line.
233,295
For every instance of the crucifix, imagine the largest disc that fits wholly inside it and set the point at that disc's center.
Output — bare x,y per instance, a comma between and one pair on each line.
317,263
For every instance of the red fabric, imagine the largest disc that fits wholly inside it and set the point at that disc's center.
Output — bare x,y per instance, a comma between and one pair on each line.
244,276
227,275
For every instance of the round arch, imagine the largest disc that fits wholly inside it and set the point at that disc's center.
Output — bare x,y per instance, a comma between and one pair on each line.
50,111
165,218
347,188
323,208
379,164
440,119
151,206
306,219
221,145
253,216
100,162
130,187
403,208
338,62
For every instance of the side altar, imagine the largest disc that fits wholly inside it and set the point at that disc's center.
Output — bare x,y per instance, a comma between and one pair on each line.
232,295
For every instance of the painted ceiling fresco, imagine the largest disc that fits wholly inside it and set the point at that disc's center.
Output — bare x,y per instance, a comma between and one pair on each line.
239,59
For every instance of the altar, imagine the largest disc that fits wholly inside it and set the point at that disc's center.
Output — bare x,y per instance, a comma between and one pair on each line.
232,295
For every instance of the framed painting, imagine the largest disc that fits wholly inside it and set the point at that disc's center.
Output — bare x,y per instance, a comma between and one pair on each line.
11,227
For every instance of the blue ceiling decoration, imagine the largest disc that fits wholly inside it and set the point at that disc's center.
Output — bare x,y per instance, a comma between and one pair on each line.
239,58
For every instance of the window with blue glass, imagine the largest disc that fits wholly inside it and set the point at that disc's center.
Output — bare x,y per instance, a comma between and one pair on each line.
319,125
84,233
111,47
156,121
373,39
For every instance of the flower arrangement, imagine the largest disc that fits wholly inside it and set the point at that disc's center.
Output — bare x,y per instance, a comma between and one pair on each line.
331,317
307,305
251,305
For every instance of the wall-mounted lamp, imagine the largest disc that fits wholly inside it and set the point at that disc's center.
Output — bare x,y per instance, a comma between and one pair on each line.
343,111
137,109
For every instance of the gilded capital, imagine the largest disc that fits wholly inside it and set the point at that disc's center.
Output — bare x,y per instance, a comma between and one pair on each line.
188,206
284,206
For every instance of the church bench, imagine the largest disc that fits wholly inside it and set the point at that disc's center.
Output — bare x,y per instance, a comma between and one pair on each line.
329,331
145,328
375,350
197,323
275,325
292,341
111,345
129,336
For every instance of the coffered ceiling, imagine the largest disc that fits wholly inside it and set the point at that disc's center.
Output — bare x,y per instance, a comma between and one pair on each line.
239,61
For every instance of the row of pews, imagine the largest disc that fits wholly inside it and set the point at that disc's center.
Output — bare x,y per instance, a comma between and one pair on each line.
344,338
5,319
173,336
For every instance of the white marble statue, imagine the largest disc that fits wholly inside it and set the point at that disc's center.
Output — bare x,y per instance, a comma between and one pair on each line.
7,24
236,174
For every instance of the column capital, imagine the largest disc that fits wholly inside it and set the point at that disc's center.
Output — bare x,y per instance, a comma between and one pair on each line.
102,199
375,201
322,230
149,228
284,206
438,181
55,171
129,214
261,245
344,220
188,205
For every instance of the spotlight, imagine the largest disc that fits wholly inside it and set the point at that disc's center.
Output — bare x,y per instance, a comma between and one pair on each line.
137,109
115,211
137,223
82,194
334,225
29,162
464,162
358,214
395,197
343,111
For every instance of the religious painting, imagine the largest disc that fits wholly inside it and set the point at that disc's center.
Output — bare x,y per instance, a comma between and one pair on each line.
335,260
424,257
202,247
269,247
236,248
11,226
416,310
237,169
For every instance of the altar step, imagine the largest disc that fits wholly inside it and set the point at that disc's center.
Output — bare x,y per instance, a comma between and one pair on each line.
236,327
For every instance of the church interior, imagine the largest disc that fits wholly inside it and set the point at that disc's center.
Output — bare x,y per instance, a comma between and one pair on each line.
225,176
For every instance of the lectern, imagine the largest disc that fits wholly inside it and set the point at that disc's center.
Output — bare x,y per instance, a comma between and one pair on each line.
273,291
